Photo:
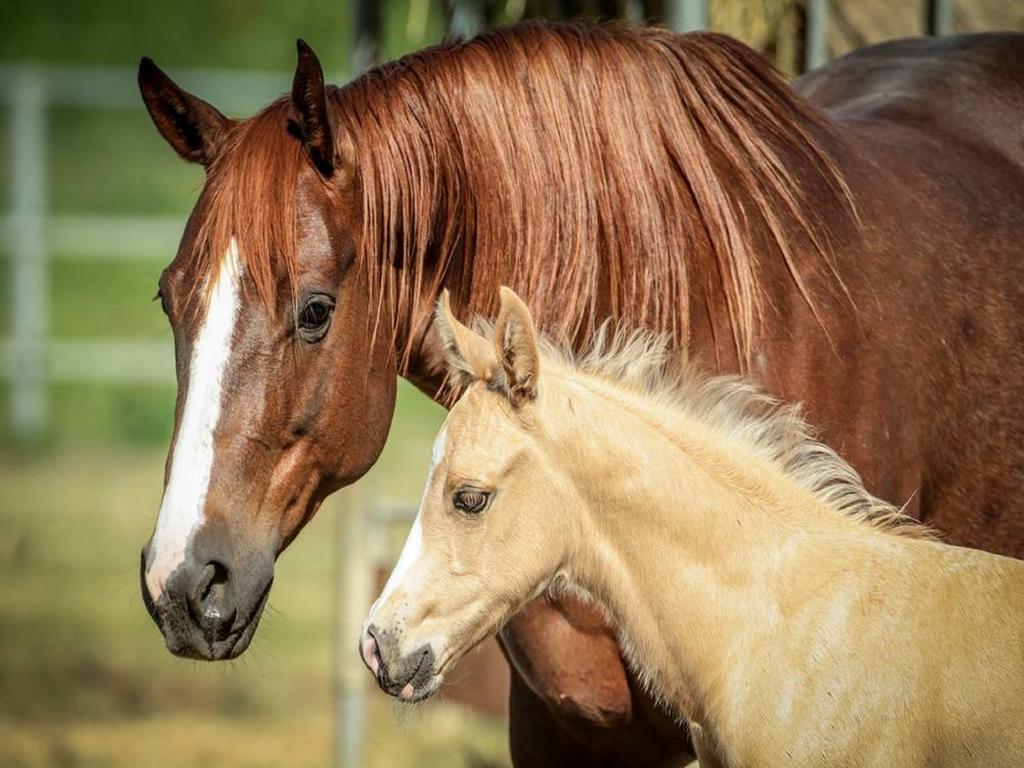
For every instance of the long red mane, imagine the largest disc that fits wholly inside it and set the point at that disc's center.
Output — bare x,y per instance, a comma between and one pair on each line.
570,161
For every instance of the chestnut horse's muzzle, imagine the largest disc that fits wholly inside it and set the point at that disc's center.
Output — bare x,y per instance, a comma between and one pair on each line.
211,604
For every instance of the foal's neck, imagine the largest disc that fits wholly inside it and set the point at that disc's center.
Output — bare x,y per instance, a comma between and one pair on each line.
694,542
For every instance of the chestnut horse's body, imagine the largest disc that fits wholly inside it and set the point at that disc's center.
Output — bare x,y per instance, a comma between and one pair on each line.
859,248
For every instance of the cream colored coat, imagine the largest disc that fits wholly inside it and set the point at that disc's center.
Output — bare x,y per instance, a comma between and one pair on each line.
762,594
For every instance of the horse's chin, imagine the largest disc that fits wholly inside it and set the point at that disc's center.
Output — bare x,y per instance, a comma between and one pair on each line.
192,644
424,693
231,647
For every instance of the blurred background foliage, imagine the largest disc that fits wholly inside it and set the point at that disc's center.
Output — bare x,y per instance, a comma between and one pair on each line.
84,678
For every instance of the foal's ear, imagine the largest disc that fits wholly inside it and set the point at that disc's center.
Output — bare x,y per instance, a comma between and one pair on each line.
515,342
468,354
193,128
309,100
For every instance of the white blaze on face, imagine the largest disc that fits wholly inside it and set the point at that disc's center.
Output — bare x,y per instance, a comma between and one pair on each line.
181,511
414,544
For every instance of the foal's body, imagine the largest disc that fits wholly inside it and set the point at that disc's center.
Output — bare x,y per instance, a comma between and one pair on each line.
787,633
761,594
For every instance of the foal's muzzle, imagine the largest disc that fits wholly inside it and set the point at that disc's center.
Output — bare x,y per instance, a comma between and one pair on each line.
210,605
410,677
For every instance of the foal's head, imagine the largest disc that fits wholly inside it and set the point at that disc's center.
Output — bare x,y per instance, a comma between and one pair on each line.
487,536
284,393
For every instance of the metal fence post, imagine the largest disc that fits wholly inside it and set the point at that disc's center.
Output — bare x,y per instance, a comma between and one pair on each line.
466,18
687,15
368,26
940,17
353,565
817,30
30,289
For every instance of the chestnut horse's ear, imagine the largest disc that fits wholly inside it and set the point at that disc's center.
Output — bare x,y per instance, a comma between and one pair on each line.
193,128
468,354
515,342
309,99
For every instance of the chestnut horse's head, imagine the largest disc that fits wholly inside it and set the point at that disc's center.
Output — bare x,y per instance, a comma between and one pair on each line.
267,346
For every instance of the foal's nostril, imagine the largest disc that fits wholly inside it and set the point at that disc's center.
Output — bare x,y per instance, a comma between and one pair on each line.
370,653
209,602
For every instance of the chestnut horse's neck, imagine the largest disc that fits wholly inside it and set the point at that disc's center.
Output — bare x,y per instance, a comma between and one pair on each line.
667,181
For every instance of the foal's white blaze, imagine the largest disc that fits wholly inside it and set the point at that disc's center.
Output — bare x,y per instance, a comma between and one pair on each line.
181,511
414,544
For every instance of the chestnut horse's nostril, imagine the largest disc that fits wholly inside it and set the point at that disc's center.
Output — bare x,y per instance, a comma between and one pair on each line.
209,602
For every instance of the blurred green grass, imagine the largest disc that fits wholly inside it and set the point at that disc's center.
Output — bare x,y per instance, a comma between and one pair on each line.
84,677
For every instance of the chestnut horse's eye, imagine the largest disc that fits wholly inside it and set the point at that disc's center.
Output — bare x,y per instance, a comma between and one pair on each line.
470,500
315,317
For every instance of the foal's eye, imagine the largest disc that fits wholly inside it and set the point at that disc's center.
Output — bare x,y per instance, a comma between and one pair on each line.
315,317
470,500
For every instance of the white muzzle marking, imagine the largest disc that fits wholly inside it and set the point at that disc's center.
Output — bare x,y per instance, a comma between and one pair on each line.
181,511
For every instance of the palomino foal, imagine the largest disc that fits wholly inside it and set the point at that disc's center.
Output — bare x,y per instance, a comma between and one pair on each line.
768,600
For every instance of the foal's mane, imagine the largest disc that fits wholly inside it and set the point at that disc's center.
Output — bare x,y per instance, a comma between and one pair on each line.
569,161
639,364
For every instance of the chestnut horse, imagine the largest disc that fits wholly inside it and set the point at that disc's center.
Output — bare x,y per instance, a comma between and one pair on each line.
854,244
